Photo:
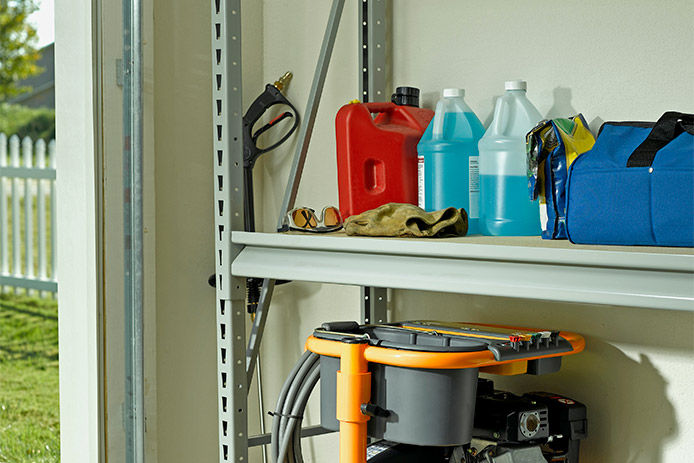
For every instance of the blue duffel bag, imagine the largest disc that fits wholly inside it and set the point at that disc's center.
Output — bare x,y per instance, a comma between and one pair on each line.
636,186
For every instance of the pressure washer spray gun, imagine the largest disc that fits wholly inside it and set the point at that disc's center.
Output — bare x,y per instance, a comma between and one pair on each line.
272,96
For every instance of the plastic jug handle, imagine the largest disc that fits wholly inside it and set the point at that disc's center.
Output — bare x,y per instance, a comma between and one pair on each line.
500,117
437,130
501,112
440,117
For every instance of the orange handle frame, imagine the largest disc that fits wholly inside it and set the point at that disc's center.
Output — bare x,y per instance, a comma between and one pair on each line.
354,379
353,390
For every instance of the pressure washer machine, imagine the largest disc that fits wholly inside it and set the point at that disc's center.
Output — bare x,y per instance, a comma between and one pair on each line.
413,389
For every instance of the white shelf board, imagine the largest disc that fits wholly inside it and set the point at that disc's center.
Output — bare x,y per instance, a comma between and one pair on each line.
526,267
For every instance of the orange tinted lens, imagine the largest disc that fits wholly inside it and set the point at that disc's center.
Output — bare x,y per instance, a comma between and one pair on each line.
304,218
299,218
331,217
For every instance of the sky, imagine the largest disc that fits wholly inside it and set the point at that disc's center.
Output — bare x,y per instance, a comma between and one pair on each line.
43,20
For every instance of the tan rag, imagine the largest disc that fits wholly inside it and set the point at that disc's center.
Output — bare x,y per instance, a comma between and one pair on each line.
407,220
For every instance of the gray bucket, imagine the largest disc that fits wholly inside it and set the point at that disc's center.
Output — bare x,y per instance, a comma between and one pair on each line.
426,407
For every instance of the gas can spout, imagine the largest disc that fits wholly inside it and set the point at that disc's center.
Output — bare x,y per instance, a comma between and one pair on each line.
283,81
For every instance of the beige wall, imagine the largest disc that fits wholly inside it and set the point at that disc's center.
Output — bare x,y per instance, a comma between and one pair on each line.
609,60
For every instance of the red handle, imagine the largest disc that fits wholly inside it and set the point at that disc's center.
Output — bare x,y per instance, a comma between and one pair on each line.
379,107
397,111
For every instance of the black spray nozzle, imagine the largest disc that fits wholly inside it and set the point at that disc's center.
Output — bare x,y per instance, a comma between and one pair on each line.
406,96
253,286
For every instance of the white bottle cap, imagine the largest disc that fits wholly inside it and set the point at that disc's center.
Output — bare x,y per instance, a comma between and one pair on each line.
453,92
516,85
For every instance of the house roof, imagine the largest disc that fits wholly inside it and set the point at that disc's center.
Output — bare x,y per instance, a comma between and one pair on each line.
42,93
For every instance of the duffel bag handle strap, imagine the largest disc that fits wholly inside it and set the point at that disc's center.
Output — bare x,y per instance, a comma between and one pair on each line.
669,126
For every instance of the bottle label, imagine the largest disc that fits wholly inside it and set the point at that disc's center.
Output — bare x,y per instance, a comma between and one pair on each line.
474,190
420,181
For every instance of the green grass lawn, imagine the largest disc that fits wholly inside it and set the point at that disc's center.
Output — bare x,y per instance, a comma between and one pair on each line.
29,412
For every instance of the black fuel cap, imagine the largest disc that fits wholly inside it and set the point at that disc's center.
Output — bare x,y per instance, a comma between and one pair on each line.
406,96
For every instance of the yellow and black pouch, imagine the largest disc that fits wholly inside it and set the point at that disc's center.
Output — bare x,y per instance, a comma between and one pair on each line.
552,147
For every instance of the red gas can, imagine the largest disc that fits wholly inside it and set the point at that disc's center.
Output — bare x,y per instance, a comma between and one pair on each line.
377,157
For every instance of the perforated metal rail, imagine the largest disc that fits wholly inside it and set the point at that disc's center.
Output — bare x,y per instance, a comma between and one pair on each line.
228,180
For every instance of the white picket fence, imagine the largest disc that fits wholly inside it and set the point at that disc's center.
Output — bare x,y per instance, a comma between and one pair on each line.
27,215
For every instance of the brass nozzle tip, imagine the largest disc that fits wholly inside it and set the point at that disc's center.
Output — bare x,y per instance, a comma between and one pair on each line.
283,81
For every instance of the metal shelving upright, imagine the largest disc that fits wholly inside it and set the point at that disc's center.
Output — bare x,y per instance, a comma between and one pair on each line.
228,191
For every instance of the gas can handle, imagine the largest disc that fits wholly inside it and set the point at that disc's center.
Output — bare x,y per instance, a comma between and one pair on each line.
386,107
379,107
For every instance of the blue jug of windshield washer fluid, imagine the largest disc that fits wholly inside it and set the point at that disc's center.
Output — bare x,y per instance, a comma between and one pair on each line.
447,159
505,206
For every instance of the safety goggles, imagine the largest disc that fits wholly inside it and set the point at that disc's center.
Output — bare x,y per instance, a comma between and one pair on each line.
305,219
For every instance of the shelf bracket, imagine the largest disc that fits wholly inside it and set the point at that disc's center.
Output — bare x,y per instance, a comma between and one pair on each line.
374,305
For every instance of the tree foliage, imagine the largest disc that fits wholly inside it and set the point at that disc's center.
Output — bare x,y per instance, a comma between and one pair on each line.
18,46
34,123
